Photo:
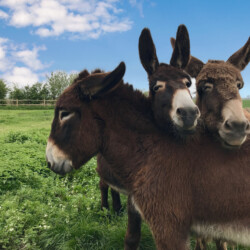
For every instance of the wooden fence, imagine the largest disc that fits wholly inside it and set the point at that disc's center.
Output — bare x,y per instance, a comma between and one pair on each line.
44,102
16,102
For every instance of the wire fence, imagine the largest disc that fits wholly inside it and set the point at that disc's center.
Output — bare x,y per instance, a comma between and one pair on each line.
27,102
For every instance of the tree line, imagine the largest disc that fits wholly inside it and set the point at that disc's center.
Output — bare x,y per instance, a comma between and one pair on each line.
55,83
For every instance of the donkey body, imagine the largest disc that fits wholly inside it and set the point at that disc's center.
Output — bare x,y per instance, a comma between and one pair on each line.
221,74
157,92
219,80
176,187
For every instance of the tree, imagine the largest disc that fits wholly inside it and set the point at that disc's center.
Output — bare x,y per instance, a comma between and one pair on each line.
17,93
57,82
34,92
72,77
3,89
44,93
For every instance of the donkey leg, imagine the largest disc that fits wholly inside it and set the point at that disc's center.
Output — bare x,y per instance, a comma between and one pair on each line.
171,242
221,245
104,194
116,201
201,244
170,232
133,233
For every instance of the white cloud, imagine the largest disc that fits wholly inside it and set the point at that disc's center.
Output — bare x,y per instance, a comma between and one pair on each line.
3,15
30,57
22,76
19,64
4,61
83,18
139,5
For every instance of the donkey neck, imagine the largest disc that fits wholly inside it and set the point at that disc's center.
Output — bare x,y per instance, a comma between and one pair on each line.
130,135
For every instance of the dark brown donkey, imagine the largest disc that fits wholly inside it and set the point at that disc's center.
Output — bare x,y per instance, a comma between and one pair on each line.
165,82
176,187
218,83
176,116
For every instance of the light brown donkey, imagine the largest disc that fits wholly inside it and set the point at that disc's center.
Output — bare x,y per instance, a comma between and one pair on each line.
218,83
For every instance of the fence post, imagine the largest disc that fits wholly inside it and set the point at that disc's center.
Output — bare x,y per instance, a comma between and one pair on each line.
43,102
17,102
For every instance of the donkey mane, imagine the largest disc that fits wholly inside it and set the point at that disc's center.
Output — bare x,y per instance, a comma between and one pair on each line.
132,98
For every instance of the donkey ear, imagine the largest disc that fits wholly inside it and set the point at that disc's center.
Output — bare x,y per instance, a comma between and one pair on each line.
172,41
112,80
181,53
241,58
194,65
102,83
147,52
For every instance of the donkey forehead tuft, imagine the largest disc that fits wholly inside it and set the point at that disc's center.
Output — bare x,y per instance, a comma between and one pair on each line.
218,70
85,73
166,71
97,71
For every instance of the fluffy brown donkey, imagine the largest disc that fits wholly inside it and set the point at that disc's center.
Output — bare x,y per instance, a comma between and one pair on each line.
217,83
172,105
176,187
169,100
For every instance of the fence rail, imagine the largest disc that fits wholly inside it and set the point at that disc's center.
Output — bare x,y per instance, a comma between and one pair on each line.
44,102
16,102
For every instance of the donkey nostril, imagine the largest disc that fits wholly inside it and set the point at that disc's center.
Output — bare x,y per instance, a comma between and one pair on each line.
227,125
237,126
181,112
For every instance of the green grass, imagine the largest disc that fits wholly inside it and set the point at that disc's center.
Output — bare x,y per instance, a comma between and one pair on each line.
41,210
246,103
26,107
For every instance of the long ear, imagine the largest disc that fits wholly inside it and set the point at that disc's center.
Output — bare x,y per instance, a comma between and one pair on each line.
181,53
172,41
147,52
241,58
194,65
102,83
112,80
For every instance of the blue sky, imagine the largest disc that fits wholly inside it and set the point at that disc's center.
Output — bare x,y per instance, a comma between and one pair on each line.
41,36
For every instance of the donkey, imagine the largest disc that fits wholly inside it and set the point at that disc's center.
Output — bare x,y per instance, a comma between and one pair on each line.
218,82
167,180
159,92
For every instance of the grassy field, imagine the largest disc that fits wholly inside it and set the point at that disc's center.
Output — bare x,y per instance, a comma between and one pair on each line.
246,103
40,210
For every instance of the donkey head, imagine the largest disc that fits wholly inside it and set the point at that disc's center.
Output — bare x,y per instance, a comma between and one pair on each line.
218,97
76,131
171,100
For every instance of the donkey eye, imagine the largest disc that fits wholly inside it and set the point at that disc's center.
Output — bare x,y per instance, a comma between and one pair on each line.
157,87
64,114
187,82
208,87
239,85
